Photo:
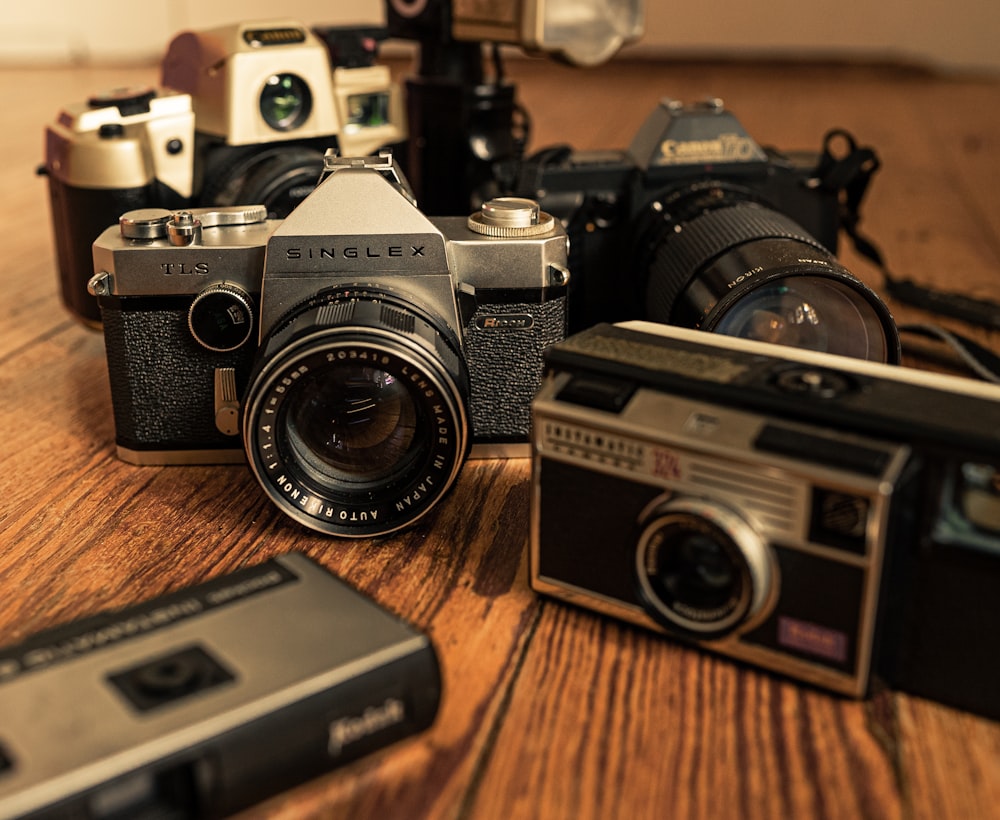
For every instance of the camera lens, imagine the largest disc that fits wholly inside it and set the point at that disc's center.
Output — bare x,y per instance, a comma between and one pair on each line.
702,571
356,420
285,101
739,268
354,424
699,575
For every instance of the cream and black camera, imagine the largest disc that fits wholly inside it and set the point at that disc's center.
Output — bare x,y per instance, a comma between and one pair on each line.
831,519
354,351
244,113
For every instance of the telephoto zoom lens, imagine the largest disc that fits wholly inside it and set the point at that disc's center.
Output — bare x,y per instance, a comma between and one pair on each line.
737,267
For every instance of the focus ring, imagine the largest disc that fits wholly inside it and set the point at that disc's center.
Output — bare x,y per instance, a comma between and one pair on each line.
682,254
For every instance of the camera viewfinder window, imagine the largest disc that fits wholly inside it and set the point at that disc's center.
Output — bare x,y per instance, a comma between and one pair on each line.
367,111
970,506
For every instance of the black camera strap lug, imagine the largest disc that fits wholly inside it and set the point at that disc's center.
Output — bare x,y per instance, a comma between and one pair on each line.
849,173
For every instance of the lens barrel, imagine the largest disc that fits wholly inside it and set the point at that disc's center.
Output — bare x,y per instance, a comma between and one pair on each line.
356,421
743,269
702,571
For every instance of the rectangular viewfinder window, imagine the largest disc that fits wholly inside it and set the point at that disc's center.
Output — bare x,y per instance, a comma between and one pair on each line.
970,506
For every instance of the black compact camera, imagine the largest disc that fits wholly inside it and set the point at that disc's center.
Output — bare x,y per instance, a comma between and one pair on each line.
208,699
697,225
354,351
830,519
244,114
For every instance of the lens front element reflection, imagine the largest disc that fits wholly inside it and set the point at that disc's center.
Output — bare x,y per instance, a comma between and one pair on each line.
808,312
352,424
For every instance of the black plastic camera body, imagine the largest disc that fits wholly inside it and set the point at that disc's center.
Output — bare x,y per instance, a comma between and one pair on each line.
243,114
697,225
354,351
833,520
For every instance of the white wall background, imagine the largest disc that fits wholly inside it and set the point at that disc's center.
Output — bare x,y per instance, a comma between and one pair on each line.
954,35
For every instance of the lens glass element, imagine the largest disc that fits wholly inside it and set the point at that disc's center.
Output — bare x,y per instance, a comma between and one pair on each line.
738,267
285,102
699,575
354,429
695,572
702,570
353,424
810,312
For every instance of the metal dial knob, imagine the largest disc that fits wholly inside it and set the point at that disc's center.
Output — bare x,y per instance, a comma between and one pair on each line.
509,216
221,317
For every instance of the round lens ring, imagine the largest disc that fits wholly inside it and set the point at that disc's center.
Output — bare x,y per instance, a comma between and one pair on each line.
353,430
702,570
809,312
285,101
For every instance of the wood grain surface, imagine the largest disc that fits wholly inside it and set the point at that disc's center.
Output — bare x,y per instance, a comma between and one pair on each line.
548,711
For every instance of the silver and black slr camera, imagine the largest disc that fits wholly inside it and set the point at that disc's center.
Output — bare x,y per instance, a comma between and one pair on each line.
244,114
697,225
364,345
830,519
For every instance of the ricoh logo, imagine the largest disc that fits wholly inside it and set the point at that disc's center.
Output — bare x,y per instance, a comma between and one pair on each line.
724,148
349,730
511,321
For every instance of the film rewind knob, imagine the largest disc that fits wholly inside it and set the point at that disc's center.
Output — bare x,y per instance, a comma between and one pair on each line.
510,216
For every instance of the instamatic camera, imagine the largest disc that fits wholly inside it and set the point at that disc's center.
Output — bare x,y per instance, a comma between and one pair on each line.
697,225
245,114
830,519
203,701
388,342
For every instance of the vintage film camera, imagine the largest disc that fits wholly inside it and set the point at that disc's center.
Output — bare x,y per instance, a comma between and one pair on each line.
696,225
244,115
830,519
206,700
388,341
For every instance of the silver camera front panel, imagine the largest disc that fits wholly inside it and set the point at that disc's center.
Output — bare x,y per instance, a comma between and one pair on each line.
279,636
690,449
361,229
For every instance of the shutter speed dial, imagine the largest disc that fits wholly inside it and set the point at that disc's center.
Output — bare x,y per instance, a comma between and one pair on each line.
221,317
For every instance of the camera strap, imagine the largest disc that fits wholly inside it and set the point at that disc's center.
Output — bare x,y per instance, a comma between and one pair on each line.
848,173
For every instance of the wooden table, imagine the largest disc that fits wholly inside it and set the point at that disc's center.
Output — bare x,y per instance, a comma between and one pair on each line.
547,711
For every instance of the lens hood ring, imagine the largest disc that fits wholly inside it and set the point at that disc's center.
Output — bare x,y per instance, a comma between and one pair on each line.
666,528
336,507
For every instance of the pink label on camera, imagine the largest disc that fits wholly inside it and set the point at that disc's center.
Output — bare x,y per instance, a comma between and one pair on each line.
812,638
